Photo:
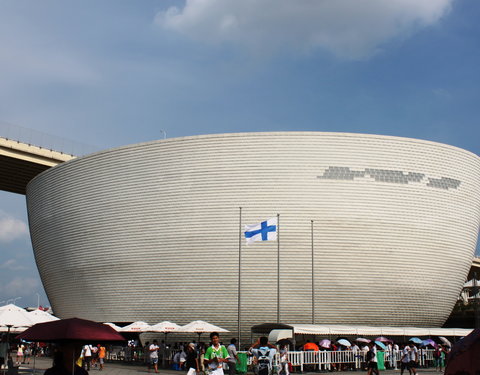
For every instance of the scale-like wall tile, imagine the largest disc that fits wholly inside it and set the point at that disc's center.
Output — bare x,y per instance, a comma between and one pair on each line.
150,231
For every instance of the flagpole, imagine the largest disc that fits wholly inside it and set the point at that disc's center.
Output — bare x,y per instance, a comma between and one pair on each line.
313,275
239,272
278,268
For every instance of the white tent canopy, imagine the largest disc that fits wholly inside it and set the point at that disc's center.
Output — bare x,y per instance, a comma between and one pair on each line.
339,330
280,334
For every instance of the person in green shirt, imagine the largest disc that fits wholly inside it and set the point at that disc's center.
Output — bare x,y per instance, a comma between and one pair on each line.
216,355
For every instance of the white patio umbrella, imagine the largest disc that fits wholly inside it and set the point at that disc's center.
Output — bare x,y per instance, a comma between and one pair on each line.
114,326
139,327
165,327
344,342
40,316
13,317
199,327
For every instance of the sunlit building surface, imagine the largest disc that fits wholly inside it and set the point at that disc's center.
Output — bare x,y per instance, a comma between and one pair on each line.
151,231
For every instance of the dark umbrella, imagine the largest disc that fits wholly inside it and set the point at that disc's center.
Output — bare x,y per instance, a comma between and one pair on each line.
71,331
68,330
464,357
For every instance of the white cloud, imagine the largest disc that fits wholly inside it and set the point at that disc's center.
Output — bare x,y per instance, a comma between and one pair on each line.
12,265
11,228
351,29
20,286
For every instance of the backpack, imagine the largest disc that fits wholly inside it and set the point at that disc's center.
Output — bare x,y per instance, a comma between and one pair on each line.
264,363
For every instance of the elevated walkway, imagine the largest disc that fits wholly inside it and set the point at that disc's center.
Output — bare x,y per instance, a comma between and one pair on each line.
20,162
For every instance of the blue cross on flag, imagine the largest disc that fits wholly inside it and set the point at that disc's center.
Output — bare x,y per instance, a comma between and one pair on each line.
264,231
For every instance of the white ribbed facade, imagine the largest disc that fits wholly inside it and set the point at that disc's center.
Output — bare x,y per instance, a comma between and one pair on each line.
150,231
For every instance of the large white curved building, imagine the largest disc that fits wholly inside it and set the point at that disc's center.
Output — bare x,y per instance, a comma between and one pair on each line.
151,231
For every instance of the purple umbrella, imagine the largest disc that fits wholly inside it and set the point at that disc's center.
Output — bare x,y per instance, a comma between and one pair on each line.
383,339
325,343
429,342
362,339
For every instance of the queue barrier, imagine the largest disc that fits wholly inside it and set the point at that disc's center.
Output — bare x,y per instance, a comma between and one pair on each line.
326,360
321,360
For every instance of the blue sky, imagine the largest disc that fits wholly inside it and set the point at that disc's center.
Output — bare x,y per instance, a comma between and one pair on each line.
108,73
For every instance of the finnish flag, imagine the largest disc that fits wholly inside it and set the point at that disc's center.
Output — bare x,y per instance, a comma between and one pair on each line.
264,231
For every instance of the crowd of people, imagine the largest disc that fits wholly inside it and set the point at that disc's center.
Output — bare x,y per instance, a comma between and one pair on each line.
198,357
92,356
214,358
21,353
408,356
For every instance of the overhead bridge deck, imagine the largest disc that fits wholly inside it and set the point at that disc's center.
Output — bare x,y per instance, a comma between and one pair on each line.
20,162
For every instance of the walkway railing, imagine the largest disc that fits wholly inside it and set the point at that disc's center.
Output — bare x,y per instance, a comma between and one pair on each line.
43,140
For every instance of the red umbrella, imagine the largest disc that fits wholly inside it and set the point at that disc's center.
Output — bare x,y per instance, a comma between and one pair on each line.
73,329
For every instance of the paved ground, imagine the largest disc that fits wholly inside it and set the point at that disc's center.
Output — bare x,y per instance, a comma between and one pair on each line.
42,364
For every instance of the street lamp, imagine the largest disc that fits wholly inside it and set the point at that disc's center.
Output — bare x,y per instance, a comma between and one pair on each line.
38,300
15,299
164,133
8,300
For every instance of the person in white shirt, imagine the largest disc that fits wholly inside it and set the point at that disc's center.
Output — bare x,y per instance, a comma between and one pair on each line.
413,359
153,351
364,352
395,355
284,360
389,355
356,357
232,361
405,360
87,356
372,362
182,359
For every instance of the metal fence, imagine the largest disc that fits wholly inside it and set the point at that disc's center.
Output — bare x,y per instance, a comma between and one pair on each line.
310,360
325,360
